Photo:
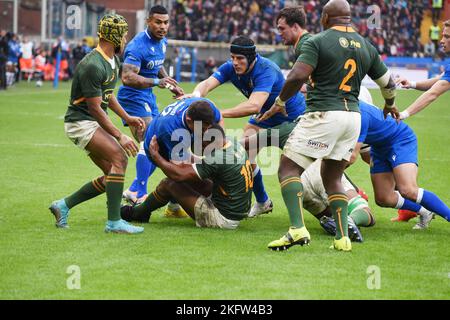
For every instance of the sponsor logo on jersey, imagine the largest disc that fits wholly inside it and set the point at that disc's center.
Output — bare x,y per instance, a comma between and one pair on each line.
155,63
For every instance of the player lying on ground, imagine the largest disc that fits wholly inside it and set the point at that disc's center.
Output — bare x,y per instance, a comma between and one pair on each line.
434,87
260,81
315,199
176,124
394,164
89,127
215,192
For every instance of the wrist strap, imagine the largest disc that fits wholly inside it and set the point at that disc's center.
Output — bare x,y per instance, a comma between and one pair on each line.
413,84
156,82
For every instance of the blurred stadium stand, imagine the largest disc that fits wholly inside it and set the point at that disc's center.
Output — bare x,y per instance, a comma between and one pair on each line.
201,29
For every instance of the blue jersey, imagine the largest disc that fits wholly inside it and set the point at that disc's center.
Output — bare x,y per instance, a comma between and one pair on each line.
392,143
14,51
447,73
148,55
171,130
377,131
265,76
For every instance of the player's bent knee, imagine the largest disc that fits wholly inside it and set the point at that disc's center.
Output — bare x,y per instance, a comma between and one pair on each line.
384,202
409,193
119,161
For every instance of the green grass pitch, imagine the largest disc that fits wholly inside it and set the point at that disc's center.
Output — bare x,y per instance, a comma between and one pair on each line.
173,259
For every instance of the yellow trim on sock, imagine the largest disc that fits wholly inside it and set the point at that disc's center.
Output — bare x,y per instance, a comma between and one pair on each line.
300,204
115,180
290,180
339,211
158,197
96,185
337,197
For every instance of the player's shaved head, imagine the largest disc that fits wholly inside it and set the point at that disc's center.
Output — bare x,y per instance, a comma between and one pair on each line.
336,12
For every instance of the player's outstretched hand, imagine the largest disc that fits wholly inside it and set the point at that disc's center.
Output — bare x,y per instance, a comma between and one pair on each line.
403,83
393,111
177,92
168,83
271,112
154,147
128,145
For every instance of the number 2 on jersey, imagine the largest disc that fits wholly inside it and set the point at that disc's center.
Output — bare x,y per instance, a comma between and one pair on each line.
350,63
246,171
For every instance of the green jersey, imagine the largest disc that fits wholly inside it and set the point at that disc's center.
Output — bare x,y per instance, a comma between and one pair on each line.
232,176
298,46
95,76
341,58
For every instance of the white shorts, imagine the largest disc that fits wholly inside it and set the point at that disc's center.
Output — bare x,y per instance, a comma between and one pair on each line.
324,135
81,132
208,216
315,198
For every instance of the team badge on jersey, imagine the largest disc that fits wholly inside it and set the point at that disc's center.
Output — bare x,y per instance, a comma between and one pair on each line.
343,42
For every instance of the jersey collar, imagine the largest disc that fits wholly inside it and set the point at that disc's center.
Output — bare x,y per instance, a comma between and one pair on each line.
150,37
299,37
105,56
343,28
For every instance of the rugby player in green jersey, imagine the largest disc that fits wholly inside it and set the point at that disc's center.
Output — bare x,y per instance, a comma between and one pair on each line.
215,191
334,61
88,126
291,23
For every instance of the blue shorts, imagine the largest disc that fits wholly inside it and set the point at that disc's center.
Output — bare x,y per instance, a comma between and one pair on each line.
139,106
401,152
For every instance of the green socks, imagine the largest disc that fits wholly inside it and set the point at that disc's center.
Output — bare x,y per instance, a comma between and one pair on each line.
114,189
88,191
339,206
142,212
292,191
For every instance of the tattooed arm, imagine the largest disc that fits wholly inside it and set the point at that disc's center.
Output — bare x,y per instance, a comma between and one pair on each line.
131,77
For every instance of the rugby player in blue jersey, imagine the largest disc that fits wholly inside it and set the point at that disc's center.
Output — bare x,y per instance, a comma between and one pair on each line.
394,165
434,87
260,81
142,70
174,127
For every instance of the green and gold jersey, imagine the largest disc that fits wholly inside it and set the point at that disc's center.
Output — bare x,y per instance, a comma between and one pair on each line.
341,58
232,176
298,46
94,77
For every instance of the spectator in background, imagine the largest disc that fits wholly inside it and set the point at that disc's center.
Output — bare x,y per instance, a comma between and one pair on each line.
436,9
26,61
13,60
435,34
3,58
210,67
78,54
430,49
86,47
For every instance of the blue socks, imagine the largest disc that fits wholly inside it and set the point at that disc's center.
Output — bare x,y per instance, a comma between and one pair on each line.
432,202
144,169
258,186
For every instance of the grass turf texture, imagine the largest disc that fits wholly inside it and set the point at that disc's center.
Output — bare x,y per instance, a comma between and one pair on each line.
173,259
